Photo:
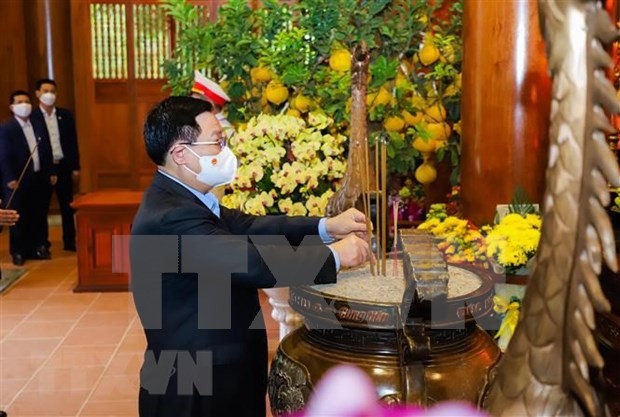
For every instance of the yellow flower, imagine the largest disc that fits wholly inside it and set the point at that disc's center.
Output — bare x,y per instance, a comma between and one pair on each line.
513,242
510,310
285,205
235,200
298,210
282,156
255,207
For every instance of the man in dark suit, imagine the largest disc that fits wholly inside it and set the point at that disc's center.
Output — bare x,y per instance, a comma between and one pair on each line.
65,152
27,176
187,143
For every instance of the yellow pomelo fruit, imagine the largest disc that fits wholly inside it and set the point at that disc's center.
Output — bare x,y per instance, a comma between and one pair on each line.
261,75
293,112
439,131
435,113
340,60
394,124
276,93
457,80
428,54
412,119
425,173
301,103
424,146
384,97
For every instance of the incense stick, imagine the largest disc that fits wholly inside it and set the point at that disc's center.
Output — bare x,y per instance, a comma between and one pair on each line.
394,243
366,198
384,205
377,208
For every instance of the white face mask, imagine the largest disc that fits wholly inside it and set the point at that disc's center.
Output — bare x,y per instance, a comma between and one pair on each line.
48,98
21,109
217,169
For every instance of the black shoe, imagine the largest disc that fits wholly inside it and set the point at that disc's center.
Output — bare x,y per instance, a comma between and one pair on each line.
68,248
42,253
18,260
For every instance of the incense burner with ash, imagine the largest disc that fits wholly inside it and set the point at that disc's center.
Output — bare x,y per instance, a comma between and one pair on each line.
413,330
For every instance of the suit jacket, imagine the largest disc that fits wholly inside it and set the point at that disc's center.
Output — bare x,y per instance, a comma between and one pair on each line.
68,135
14,150
168,208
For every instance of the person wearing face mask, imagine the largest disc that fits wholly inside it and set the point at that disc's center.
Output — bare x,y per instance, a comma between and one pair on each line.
186,142
65,152
27,173
210,91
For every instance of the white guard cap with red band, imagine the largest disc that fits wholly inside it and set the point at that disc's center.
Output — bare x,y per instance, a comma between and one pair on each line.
210,89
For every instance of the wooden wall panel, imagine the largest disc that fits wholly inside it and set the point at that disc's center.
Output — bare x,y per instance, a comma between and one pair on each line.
36,49
84,88
12,52
111,112
149,93
63,52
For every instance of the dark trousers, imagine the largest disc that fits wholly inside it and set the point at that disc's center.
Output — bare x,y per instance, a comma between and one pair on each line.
239,390
64,194
31,200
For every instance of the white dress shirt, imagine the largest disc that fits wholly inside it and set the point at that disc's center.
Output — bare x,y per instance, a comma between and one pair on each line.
32,142
52,128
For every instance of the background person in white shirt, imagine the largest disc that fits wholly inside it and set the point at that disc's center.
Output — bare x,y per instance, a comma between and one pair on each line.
27,173
65,152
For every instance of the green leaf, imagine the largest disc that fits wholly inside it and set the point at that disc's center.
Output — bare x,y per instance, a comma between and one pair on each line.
441,153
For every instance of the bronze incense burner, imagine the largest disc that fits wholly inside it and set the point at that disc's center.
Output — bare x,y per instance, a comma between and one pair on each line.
419,350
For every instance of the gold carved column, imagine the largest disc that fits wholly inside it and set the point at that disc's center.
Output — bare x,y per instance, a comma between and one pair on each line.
505,105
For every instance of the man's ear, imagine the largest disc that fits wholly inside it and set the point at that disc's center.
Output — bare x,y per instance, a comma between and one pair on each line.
177,155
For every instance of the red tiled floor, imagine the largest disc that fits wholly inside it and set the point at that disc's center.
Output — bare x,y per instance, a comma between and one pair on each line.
68,354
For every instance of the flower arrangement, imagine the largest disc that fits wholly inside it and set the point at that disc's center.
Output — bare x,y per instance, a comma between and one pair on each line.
512,243
286,165
507,246
461,241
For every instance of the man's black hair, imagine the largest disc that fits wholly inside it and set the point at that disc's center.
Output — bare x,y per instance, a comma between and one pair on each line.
171,120
18,93
42,81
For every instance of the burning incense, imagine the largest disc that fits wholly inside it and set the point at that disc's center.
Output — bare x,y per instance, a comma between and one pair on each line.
383,206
